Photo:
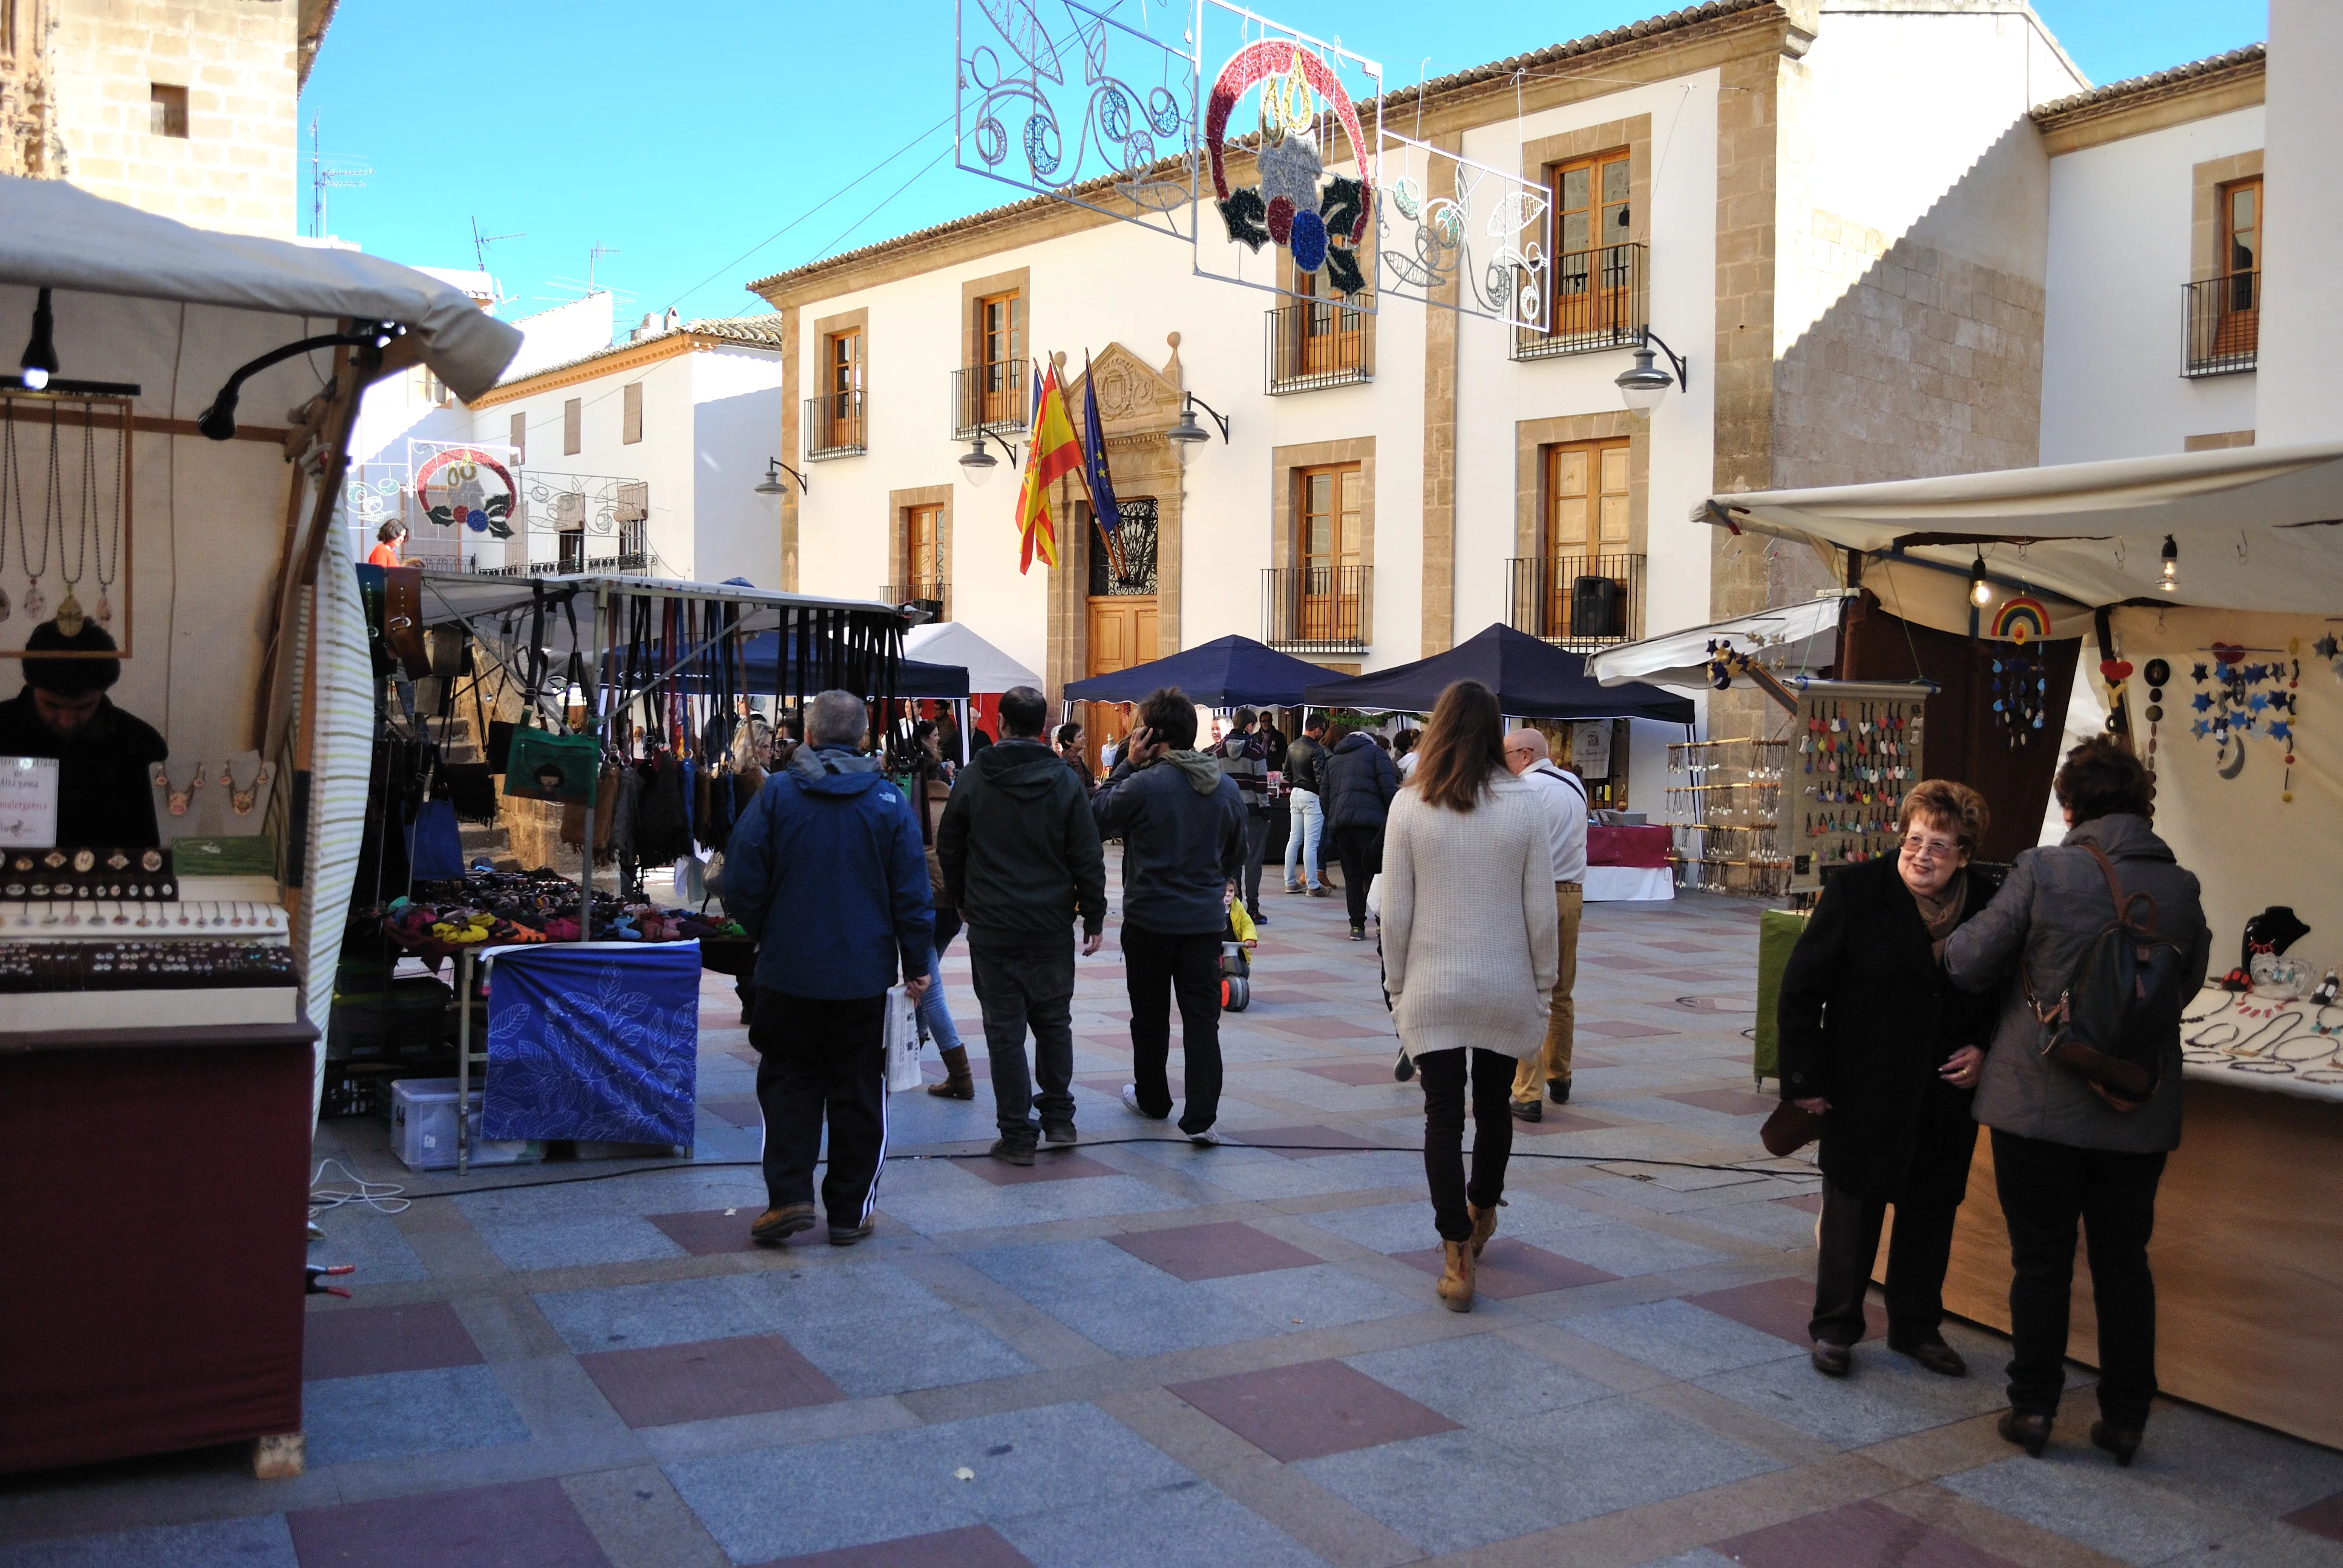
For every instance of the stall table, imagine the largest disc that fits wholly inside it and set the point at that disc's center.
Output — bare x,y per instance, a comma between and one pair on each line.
1628,863
2249,1243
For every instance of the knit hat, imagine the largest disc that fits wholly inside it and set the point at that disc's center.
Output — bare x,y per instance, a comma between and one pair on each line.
70,676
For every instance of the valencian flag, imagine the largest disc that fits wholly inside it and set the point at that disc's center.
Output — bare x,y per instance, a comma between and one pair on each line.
1054,454
1106,514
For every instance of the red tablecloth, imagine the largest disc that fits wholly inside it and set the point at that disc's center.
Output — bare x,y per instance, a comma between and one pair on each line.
1645,848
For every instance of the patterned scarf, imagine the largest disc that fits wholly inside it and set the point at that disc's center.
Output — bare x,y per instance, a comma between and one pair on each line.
1942,914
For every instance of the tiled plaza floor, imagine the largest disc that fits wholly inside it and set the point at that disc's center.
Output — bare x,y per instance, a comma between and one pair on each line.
1151,1353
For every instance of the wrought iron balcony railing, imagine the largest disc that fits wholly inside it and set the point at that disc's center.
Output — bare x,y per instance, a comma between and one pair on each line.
1579,602
2224,326
834,425
990,397
933,592
1318,609
1601,300
1319,342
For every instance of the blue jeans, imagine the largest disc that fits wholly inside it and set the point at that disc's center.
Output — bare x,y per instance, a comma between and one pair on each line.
935,1016
1301,838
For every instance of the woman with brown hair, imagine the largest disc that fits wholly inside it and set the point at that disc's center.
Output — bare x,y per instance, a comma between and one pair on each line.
1877,1040
1470,955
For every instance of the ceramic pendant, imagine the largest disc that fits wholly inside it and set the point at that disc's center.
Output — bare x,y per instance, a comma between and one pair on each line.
34,605
70,618
105,610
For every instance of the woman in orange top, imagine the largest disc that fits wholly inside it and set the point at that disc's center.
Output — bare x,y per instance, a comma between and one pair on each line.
389,538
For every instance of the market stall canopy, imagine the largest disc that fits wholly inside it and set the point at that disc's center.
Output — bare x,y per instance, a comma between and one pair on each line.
2255,528
1532,678
57,236
949,642
1788,640
768,673
1227,672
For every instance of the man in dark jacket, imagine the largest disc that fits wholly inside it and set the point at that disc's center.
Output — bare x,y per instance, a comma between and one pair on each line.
1243,756
1360,784
1303,761
103,794
1182,828
827,871
1021,860
2062,1152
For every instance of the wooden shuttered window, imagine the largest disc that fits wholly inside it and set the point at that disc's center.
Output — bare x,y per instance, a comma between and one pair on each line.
630,416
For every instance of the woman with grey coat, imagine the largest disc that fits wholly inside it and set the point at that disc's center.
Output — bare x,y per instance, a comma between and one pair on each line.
2063,1152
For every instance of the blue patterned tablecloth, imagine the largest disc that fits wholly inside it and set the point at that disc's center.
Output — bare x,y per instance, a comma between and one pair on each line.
595,1041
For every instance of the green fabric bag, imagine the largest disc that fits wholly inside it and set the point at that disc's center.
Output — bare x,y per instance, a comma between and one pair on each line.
1778,931
542,766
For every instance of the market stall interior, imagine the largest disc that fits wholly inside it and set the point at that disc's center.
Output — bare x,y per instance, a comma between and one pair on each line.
185,772
2209,587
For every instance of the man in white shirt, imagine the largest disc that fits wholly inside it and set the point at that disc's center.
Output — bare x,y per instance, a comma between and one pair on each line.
1564,798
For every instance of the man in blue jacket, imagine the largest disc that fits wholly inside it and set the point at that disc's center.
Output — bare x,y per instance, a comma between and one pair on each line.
826,871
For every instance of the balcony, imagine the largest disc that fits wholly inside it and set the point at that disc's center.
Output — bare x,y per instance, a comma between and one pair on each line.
1579,602
934,593
834,425
990,397
1317,609
1601,300
1318,343
2224,325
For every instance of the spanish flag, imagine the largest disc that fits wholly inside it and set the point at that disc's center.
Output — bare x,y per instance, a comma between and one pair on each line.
1053,453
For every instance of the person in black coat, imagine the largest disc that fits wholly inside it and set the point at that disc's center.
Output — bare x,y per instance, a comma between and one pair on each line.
1357,784
1877,1039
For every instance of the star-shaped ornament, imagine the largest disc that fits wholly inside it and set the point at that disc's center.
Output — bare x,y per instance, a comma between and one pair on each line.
2279,730
2198,672
2327,646
2202,702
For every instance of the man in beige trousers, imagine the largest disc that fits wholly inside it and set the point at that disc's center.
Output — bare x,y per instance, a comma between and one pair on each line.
1564,798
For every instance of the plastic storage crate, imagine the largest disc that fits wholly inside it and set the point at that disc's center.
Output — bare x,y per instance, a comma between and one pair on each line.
423,1129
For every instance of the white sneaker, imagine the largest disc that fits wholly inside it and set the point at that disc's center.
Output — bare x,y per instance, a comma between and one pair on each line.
1207,1139
1130,1103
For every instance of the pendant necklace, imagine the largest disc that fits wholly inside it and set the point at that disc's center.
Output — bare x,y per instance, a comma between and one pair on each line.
35,604
70,615
111,529
9,483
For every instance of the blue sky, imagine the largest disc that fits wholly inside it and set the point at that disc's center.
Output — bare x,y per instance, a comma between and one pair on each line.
685,136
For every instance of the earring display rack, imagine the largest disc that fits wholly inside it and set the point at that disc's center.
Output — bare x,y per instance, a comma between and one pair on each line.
1724,808
1859,750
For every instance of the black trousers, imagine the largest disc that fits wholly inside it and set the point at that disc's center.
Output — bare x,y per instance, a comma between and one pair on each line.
2047,1188
1917,1256
1442,1074
1017,987
1156,964
820,1060
1256,846
1361,850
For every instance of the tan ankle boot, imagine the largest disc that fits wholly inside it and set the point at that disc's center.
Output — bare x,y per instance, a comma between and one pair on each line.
1456,1280
957,1083
1484,1225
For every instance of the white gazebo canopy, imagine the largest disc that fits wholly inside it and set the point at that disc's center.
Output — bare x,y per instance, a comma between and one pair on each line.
951,642
1788,641
2255,528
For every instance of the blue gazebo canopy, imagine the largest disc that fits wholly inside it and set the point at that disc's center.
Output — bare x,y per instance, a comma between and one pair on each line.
1227,672
1532,678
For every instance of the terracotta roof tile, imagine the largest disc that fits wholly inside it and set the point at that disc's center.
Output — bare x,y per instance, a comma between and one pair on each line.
2251,54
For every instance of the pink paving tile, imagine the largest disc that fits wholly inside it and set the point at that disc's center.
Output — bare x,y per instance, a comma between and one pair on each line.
1046,1167
1812,1202
1286,998
1509,1268
357,1342
2324,1517
1555,1119
1213,1252
1311,1410
708,1231
1296,1142
516,1525
1695,977
1614,1029
1682,947
1782,1308
663,1385
974,1546
1352,1072
1590,960
739,1110
1308,977
1858,1532
1728,1101
1330,1029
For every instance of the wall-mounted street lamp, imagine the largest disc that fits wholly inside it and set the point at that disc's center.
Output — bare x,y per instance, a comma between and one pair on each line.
1187,432
773,484
978,463
1643,384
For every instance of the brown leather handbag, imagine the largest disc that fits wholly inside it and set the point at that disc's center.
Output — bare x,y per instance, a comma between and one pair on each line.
1790,1128
402,620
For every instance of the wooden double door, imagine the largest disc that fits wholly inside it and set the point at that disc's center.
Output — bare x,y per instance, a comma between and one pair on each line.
1121,634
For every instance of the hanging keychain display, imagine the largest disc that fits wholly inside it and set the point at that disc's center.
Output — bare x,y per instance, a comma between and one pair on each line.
1862,742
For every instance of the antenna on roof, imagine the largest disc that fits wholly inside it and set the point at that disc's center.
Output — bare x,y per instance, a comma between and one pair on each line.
595,255
329,172
480,242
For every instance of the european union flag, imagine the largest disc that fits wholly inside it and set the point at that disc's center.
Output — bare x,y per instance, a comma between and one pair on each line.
1106,512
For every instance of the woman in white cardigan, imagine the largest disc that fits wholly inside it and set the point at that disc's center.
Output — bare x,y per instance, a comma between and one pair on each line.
1472,953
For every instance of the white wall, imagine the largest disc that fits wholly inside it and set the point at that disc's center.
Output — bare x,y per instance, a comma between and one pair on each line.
736,409
2300,395
2113,333
564,333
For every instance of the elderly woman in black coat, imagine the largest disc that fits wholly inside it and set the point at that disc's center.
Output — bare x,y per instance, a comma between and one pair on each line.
1878,1040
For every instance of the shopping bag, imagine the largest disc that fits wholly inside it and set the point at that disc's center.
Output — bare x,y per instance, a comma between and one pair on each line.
542,766
902,1027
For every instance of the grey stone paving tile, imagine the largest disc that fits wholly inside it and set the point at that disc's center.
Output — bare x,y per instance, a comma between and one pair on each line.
370,1241
1620,1452
655,1192
575,1244
2199,1454
1888,1396
1324,1295
666,1312
256,1543
1617,1247
1681,1340
938,1213
2258,1545
1703,1558
1384,1228
1479,1380
1758,1220
639,1522
1591,1082
1449,1492
1186,1525
892,1485
392,1414
929,1350
2075,1491
1117,1302
1262,1176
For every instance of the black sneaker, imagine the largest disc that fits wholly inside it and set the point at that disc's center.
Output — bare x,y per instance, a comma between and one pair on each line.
1059,1135
1257,918
1009,1153
1358,934
847,1235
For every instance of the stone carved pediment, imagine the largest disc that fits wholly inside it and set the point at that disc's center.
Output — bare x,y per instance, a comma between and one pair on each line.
1133,396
